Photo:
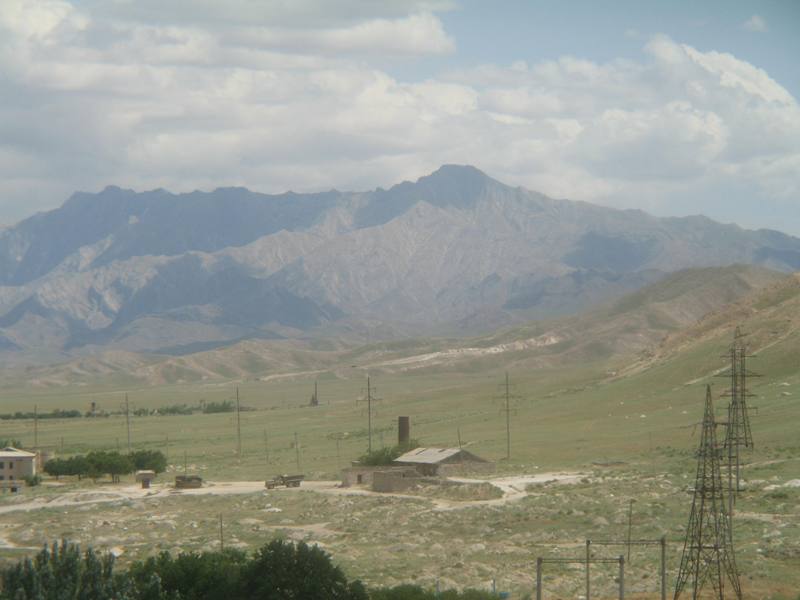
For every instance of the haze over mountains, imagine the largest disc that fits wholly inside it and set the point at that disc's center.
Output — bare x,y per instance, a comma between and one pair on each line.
454,252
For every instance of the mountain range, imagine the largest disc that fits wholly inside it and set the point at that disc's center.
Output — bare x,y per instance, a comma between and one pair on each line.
454,253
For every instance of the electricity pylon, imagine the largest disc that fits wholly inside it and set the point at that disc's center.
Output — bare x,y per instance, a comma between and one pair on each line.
708,557
738,434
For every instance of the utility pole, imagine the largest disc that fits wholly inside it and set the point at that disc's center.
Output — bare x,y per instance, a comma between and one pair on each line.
297,450
370,390
630,524
128,421
458,432
508,420
506,397
369,416
35,426
221,535
238,427
266,447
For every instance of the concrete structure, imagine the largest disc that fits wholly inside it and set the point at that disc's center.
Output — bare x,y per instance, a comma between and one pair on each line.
359,474
443,461
395,479
403,430
145,477
380,478
15,466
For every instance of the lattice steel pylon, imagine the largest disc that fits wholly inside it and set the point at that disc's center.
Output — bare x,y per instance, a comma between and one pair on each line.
708,557
738,434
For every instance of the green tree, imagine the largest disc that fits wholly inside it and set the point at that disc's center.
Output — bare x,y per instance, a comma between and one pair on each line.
112,463
56,467
79,465
284,571
153,460
62,571
190,576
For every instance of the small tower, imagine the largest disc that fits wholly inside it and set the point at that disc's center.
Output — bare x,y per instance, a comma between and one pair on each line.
708,557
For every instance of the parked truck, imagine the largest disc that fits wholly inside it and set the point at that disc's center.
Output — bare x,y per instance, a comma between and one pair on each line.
284,481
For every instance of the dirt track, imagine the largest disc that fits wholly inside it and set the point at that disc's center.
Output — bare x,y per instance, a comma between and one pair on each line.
513,488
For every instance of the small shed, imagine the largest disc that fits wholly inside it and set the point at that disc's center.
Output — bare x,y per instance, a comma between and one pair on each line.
145,477
442,461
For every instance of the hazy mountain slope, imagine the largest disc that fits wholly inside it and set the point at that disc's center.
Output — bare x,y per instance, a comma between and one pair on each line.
632,328
454,252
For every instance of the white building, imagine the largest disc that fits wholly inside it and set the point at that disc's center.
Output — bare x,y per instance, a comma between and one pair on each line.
15,466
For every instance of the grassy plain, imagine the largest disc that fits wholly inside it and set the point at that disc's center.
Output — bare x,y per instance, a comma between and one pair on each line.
628,424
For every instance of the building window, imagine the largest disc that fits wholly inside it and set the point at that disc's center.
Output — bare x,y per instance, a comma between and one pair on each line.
2,477
2,464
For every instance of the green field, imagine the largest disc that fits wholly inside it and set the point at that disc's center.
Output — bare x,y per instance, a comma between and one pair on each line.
627,423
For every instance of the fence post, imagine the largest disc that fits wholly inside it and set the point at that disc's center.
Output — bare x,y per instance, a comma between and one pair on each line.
539,578
588,558
663,567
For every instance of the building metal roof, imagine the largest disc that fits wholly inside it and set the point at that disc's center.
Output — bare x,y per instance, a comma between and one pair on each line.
9,452
429,456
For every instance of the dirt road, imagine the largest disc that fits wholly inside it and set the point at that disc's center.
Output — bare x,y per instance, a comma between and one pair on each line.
513,488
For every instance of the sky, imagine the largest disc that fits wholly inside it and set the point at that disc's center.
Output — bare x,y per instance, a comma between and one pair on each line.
673,107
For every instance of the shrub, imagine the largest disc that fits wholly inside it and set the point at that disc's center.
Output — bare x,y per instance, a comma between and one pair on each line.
33,480
219,407
386,456
153,460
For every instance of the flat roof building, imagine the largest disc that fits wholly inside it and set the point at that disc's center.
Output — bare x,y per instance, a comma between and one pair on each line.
15,466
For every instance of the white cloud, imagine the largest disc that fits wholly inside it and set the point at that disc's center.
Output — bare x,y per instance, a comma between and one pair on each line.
99,93
415,35
756,23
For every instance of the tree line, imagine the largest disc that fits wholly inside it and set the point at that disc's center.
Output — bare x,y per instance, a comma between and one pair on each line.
279,570
224,406
97,463
53,414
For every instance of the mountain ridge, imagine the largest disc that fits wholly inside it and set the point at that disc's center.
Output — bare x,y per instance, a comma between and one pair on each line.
628,335
454,251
